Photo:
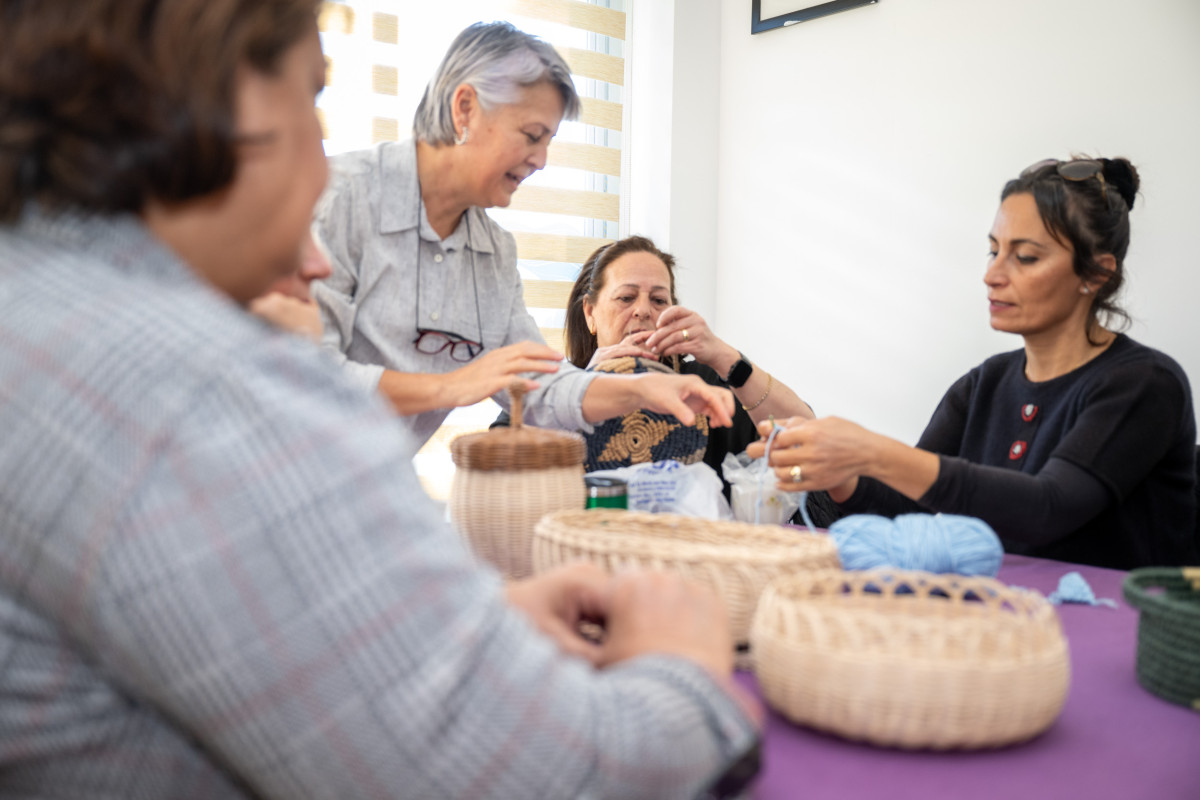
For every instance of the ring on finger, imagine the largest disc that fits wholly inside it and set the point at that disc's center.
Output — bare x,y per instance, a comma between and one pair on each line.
795,473
685,334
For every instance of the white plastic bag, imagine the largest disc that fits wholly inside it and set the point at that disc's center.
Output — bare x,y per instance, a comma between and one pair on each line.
753,493
670,487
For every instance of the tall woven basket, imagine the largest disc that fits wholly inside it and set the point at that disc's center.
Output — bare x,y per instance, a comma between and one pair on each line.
1168,643
506,480
736,559
911,659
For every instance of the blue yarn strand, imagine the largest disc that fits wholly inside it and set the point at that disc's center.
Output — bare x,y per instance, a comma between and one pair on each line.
762,477
804,512
763,473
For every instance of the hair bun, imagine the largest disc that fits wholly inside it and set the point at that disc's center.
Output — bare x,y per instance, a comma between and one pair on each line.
1123,175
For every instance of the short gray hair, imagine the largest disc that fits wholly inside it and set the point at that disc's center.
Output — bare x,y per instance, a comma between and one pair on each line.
497,60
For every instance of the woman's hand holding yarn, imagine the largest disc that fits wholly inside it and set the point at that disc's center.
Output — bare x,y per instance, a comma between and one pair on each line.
831,453
632,345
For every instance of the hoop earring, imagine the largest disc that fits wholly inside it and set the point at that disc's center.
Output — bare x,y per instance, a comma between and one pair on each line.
464,138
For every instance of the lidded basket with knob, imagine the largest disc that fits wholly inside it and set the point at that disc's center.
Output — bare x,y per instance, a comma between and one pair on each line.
507,479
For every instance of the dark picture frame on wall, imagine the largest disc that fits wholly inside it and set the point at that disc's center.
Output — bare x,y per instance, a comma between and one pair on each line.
801,11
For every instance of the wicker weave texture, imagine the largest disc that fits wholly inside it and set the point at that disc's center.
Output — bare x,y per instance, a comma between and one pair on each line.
497,511
1168,641
911,659
736,559
517,448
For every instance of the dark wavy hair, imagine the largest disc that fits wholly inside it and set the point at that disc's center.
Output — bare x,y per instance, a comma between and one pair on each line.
106,104
580,343
1093,218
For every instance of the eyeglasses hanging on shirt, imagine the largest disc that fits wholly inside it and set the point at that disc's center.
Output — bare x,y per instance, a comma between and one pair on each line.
432,341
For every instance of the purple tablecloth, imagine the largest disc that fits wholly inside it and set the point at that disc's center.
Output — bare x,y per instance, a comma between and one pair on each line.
1113,740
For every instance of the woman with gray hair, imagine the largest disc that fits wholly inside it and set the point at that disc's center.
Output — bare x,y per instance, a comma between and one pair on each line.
425,303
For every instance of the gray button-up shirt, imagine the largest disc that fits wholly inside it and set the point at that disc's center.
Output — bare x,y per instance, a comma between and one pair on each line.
382,248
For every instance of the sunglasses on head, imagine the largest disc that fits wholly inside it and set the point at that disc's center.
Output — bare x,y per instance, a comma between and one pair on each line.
1080,169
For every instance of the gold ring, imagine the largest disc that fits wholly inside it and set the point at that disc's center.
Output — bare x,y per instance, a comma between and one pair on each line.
685,334
795,473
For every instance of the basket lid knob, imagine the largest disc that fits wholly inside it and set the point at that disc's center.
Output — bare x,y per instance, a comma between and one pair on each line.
518,447
516,391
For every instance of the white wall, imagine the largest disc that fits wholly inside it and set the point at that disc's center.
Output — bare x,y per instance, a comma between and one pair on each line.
673,122
859,163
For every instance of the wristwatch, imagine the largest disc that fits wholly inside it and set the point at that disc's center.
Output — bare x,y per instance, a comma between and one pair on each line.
739,373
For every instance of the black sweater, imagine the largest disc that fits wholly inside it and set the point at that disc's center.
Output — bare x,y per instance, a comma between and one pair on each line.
1096,466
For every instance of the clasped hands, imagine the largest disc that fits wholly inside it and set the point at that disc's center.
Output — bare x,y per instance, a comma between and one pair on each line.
640,612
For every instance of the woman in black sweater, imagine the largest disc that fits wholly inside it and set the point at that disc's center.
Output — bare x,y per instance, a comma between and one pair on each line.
1081,445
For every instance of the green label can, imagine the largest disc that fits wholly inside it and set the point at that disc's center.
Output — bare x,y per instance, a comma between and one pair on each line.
606,492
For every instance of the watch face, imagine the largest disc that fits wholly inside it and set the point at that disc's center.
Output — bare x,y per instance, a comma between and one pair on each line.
740,373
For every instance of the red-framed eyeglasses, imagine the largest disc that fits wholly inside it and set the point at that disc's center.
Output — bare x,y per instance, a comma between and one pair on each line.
431,342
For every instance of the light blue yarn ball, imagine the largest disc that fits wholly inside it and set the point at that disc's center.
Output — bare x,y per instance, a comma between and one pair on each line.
928,542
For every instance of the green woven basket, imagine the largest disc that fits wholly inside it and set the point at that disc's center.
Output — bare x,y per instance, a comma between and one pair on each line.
1168,650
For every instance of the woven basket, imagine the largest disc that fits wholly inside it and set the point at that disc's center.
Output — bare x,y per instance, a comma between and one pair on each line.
1168,648
642,436
736,559
911,659
506,480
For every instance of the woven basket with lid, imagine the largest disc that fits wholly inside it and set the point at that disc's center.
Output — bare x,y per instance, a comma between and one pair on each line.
505,480
911,659
737,559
